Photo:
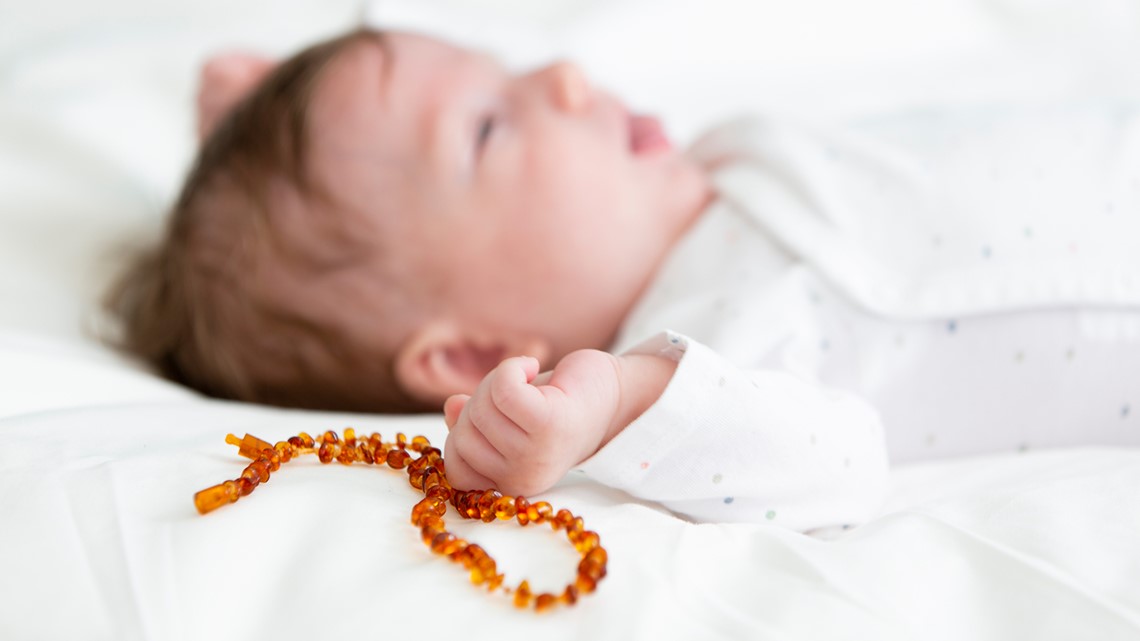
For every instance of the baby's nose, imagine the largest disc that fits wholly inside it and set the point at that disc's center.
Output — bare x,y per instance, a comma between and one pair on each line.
569,87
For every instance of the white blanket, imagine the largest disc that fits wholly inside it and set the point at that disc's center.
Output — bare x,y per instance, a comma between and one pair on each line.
99,459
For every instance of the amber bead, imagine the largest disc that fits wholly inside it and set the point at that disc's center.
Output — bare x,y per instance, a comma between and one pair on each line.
325,453
504,508
211,498
569,595
522,510
249,445
440,540
585,585
577,525
401,440
545,601
245,486
584,540
430,527
562,519
598,555
418,465
441,492
487,505
330,437
431,478
272,460
419,443
347,455
434,507
285,450
493,582
593,570
398,459
350,437
544,511
522,595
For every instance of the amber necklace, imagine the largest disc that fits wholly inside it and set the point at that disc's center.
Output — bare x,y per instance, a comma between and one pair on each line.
425,473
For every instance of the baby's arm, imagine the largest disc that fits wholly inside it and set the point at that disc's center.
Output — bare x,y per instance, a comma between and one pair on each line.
681,426
521,431
724,444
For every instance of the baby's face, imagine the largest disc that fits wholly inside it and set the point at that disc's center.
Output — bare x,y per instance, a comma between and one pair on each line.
527,202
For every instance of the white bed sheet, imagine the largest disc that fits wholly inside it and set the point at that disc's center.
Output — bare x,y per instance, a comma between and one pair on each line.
99,459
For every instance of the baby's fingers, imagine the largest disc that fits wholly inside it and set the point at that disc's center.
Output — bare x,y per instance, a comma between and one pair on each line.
452,407
512,393
460,474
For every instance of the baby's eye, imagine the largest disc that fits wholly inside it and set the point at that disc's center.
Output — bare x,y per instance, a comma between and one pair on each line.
486,126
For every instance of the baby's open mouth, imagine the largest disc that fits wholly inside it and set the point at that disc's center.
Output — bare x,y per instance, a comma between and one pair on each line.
647,136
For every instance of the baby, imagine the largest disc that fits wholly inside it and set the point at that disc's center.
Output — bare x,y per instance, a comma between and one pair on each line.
386,222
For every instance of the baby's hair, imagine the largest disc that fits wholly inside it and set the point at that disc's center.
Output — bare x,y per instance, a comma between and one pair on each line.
190,306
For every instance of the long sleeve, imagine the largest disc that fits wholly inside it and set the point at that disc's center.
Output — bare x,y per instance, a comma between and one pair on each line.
729,445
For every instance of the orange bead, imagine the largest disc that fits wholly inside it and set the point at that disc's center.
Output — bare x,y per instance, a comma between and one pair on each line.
325,453
591,569
577,525
285,451
544,602
350,437
494,582
586,541
434,507
306,440
401,440
504,508
522,510
251,476
429,529
330,437
522,595
486,505
419,443
273,459
585,585
249,446
261,466
245,486
211,498
562,519
418,465
598,555
441,492
570,595
440,541
347,455
398,459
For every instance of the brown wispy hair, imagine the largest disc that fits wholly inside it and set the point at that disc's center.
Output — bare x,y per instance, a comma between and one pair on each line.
189,306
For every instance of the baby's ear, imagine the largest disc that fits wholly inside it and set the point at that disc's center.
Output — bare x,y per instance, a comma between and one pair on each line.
224,80
441,359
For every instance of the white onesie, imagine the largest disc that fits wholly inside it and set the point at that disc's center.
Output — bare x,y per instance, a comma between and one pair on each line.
929,284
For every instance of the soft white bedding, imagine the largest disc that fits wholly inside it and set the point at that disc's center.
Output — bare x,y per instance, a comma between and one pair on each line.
99,459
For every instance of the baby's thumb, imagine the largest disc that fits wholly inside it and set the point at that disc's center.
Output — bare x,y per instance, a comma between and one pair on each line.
452,407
